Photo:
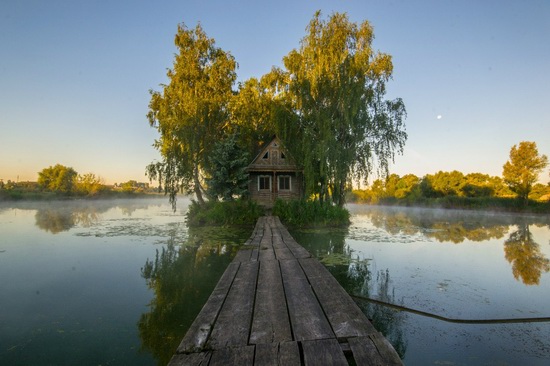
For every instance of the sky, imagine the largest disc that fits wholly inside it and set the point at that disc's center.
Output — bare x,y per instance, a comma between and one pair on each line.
75,75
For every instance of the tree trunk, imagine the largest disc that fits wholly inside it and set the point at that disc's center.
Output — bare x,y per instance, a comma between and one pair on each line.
197,185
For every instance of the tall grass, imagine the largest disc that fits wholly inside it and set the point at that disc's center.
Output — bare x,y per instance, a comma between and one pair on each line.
310,214
231,213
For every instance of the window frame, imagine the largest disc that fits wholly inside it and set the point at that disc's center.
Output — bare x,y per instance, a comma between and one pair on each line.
289,182
260,177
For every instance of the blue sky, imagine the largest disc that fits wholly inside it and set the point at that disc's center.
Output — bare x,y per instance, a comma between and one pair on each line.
75,75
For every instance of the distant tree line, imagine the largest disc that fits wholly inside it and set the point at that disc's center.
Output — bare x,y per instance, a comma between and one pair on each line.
60,180
520,175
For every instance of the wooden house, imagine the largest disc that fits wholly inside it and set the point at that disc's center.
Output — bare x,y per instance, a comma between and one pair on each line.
273,175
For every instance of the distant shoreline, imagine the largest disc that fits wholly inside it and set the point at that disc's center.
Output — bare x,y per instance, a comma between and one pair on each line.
17,196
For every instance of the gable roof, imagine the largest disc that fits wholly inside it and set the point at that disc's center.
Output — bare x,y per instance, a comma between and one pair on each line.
273,157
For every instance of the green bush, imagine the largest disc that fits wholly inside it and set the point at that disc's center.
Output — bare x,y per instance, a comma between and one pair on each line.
310,213
230,213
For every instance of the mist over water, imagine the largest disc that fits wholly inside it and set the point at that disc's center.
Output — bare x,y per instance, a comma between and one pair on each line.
450,263
92,282
120,281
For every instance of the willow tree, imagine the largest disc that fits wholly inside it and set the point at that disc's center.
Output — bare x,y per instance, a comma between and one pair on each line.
336,83
190,112
250,110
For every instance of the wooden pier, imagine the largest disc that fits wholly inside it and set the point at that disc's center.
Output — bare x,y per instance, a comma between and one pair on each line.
276,305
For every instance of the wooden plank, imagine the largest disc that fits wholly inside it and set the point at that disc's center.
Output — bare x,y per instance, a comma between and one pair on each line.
233,356
284,254
306,316
243,255
323,352
271,322
367,351
266,354
275,354
297,250
233,324
345,317
266,253
191,359
386,350
255,254
289,354
198,333
364,352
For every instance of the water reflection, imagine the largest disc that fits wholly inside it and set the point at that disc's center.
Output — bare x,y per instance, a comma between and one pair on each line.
355,276
182,278
454,226
523,253
56,217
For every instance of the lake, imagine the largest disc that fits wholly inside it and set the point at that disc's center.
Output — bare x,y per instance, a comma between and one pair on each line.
119,282
454,264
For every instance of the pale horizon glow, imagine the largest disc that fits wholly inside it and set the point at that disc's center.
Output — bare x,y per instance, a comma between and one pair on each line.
75,76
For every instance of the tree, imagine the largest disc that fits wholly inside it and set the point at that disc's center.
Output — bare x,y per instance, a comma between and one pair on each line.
58,178
523,168
343,126
228,163
89,184
191,111
251,113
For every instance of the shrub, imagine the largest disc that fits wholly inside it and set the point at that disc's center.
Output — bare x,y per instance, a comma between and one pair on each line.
230,213
302,213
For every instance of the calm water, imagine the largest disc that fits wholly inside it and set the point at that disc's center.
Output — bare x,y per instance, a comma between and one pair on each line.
453,264
102,283
119,282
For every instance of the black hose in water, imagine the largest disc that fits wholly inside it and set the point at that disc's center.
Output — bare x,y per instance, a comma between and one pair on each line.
450,320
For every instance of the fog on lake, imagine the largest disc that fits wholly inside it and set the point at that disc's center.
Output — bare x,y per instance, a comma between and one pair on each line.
120,281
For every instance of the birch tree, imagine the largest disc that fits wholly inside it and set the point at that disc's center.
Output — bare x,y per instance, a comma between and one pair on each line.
336,83
190,112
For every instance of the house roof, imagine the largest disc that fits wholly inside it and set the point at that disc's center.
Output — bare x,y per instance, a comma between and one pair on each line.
273,157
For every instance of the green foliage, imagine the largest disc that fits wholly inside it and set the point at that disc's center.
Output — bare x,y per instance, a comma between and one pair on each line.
227,167
523,168
191,112
252,113
230,213
334,118
57,178
302,213
450,190
89,185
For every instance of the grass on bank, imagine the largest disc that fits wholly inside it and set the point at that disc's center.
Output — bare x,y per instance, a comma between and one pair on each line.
231,213
246,212
309,213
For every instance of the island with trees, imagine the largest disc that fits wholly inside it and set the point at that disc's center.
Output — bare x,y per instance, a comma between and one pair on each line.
328,107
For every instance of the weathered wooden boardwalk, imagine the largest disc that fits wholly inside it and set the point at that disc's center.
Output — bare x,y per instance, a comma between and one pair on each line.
276,305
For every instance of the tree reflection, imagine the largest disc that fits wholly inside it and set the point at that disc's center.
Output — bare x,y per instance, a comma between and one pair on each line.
355,276
441,225
358,280
528,263
63,216
182,278
54,221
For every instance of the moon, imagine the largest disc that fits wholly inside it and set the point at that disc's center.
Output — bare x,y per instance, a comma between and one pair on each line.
439,116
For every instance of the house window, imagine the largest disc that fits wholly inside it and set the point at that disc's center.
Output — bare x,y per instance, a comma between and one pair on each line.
264,182
283,156
266,155
284,183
